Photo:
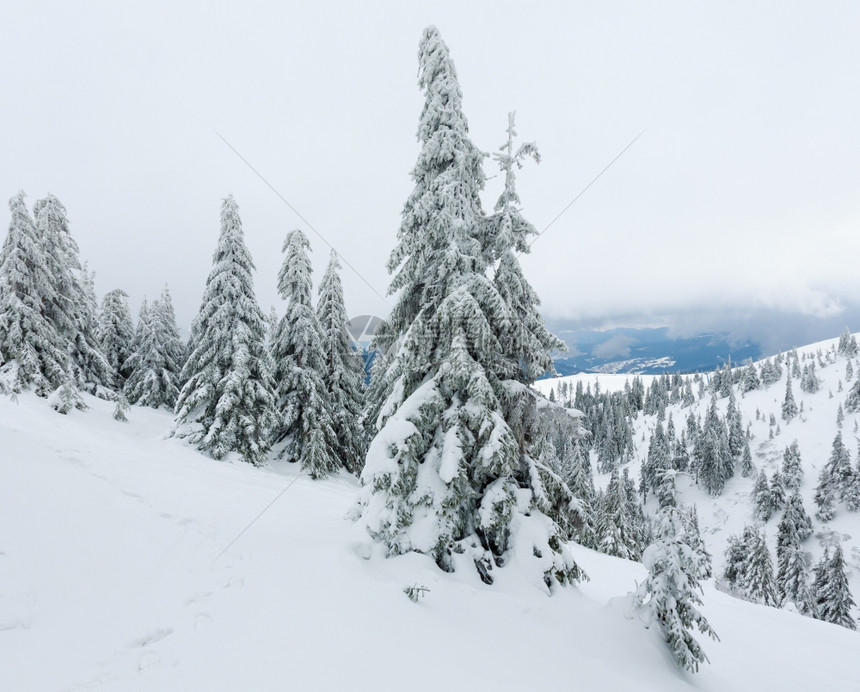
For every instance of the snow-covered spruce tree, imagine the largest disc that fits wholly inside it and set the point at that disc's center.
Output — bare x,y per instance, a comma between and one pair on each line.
452,469
733,571
831,597
30,344
304,430
225,404
140,344
792,468
671,593
580,481
164,322
795,514
847,344
343,376
703,557
762,498
852,400
714,457
526,342
825,496
116,333
789,405
771,371
157,358
747,468
735,427
837,481
617,532
657,460
791,574
750,379
749,570
72,308
777,491
809,381
758,581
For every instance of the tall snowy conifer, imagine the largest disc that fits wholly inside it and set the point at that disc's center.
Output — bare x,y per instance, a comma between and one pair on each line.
305,430
715,462
526,341
671,593
617,533
157,358
344,370
72,308
226,403
789,405
758,577
791,573
832,599
116,333
451,470
29,340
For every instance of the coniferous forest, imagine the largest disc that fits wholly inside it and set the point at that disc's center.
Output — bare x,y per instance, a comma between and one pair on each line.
455,454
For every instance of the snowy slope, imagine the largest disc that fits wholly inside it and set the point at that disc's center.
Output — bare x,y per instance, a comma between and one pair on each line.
814,430
111,580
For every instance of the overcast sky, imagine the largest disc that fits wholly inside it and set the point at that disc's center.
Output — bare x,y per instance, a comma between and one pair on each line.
741,198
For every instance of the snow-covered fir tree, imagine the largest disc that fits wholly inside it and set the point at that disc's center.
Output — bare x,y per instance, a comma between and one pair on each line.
758,579
157,357
825,496
31,347
831,597
526,342
749,569
343,376
792,468
226,402
66,398
671,593
580,481
72,307
751,379
852,400
617,532
837,481
116,333
747,469
847,344
791,575
453,469
809,380
735,427
713,455
762,498
120,412
777,491
789,405
305,431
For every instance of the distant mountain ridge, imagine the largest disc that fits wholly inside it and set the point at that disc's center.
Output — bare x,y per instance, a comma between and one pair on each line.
648,351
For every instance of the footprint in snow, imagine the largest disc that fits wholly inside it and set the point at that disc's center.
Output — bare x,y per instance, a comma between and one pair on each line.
196,598
151,638
14,625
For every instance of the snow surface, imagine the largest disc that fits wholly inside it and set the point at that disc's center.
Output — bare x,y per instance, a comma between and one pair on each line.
112,577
